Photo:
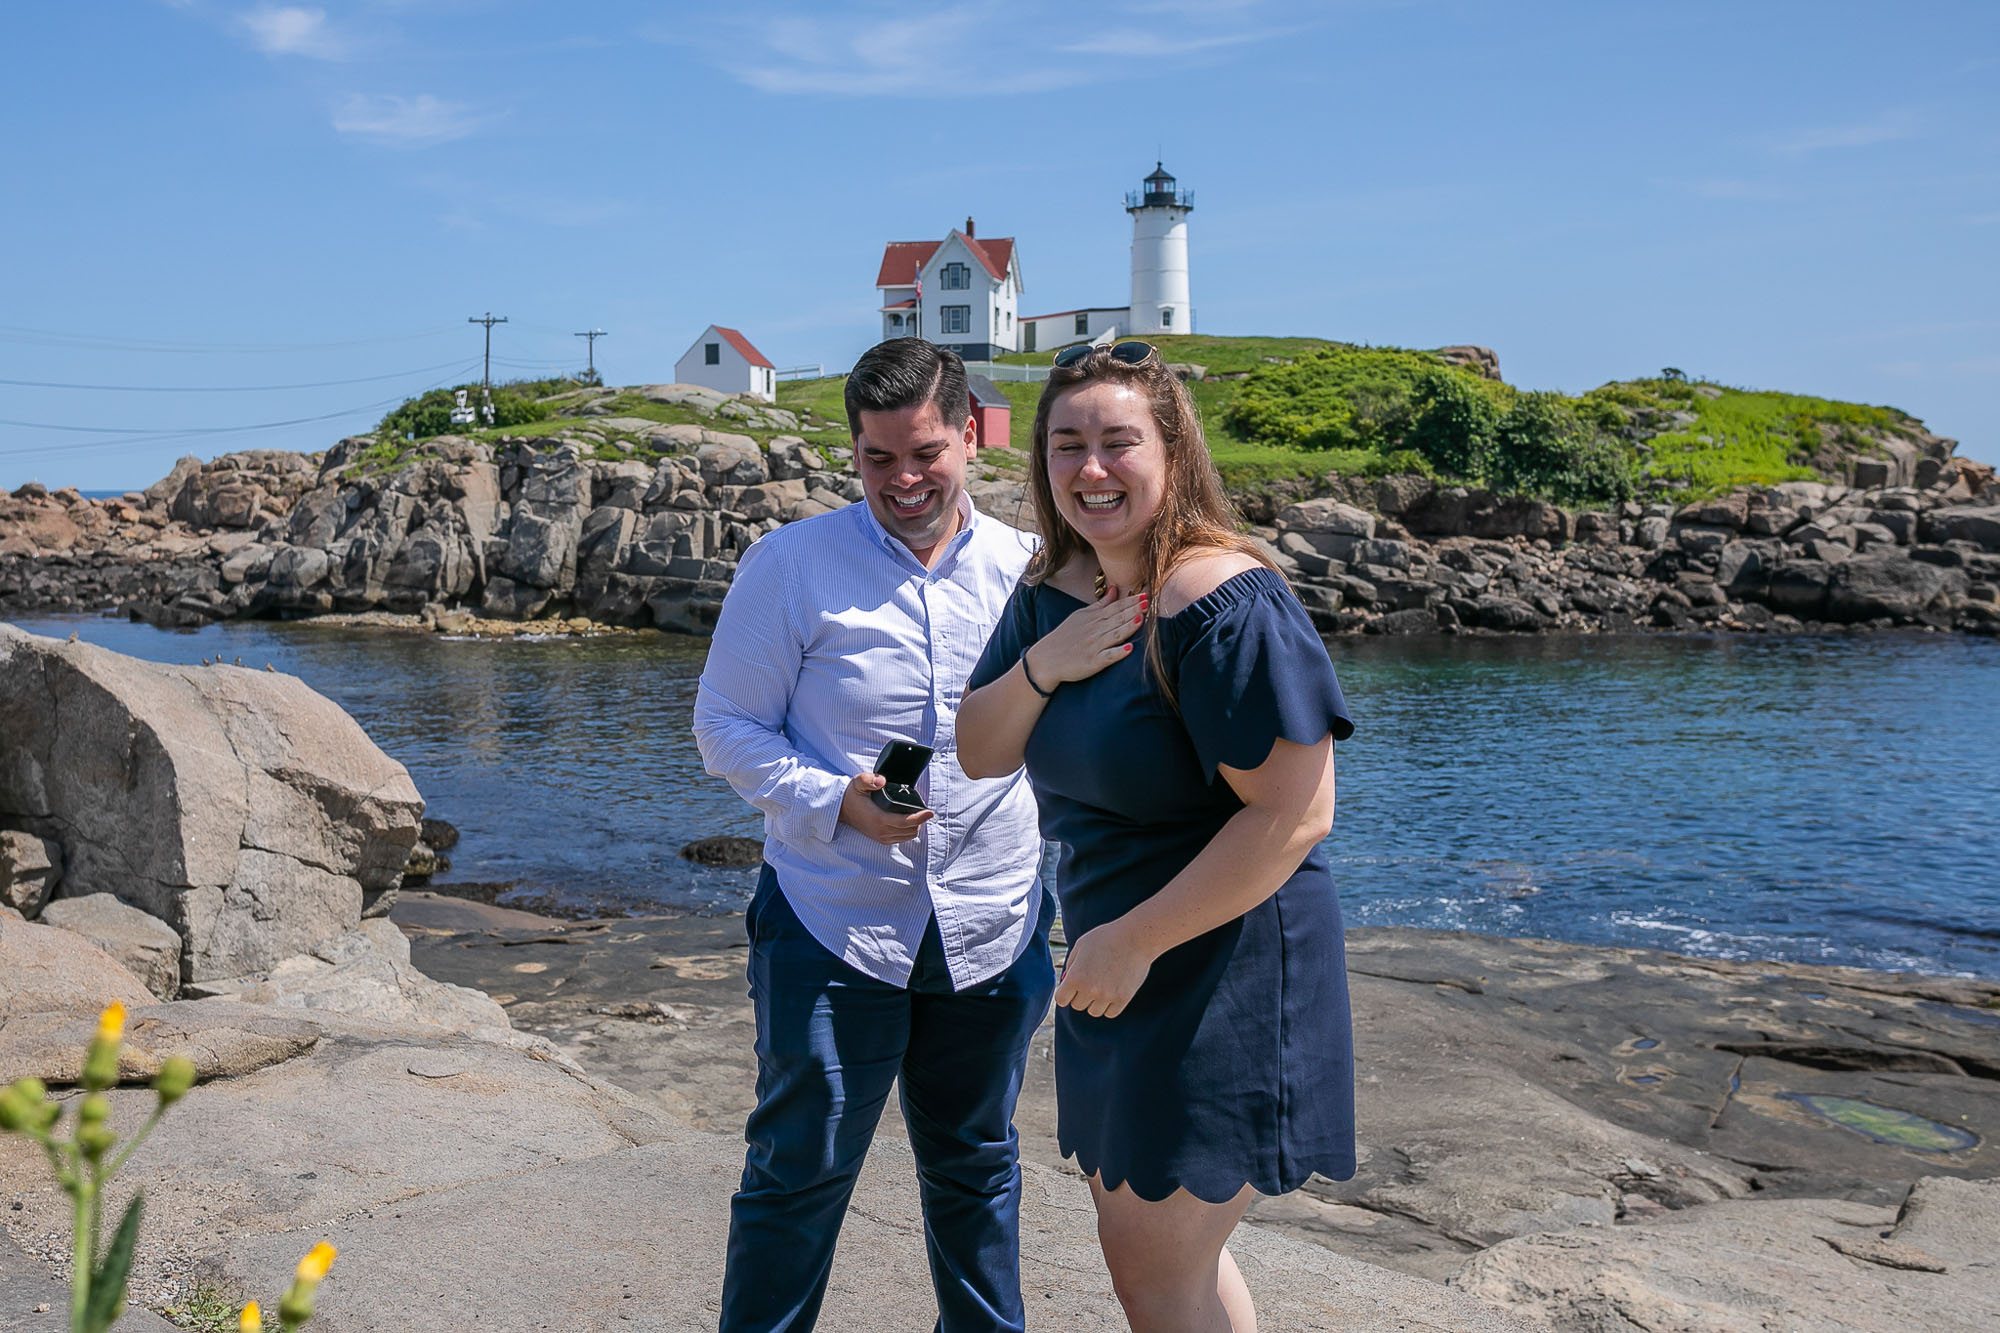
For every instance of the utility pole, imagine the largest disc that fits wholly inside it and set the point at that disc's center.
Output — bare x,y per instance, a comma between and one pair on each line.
590,354
486,373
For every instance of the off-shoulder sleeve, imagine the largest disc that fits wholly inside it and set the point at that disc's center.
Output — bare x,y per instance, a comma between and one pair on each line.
1255,673
1014,635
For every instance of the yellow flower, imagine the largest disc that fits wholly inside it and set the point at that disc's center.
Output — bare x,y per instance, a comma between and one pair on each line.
312,1268
111,1023
252,1320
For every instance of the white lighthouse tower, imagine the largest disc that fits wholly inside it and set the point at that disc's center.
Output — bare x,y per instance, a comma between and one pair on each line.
1160,302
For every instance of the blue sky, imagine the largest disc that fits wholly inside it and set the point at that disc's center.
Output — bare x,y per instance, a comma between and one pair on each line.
213,194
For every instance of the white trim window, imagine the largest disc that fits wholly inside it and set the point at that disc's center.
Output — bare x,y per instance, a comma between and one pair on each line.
955,277
954,319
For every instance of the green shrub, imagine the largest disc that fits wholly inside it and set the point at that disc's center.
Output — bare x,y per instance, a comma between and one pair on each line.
515,409
1544,448
1333,398
514,404
1456,426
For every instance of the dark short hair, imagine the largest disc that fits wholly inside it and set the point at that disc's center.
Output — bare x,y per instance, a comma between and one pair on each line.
904,372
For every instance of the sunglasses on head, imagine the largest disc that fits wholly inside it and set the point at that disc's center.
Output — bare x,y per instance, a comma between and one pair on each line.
1130,353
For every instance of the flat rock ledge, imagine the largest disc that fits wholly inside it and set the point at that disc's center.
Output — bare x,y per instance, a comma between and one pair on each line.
468,1184
1782,1264
1531,1112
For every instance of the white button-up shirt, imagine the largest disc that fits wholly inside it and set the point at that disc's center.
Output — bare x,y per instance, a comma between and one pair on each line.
834,640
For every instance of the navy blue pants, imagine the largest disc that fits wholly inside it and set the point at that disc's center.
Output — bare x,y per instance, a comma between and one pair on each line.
830,1042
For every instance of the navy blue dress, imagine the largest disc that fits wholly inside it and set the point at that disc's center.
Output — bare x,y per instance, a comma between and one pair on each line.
1233,1064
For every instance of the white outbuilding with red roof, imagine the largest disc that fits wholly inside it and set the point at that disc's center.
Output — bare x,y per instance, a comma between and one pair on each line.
724,359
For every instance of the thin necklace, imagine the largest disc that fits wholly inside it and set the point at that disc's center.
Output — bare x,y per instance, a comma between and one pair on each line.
1098,584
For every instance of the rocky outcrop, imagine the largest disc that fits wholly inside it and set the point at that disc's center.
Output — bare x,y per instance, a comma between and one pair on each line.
1403,554
553,528
244,810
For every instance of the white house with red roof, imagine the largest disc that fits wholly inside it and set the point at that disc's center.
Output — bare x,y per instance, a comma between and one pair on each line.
724,359
963,292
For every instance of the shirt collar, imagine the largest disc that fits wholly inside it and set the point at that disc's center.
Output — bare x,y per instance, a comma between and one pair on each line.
968,519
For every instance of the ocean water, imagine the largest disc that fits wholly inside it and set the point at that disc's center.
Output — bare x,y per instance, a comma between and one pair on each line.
1811,799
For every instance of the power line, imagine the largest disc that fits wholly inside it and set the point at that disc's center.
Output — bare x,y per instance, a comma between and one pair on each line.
92,341
149,435
231,388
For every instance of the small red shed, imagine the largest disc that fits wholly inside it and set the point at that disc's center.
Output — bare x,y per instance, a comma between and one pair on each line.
992,414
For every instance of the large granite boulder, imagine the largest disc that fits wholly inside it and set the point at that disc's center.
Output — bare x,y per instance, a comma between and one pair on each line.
146,946
1973,523
240,807
1888,584
52,971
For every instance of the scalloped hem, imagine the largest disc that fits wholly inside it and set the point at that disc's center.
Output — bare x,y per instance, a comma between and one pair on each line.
1207,1190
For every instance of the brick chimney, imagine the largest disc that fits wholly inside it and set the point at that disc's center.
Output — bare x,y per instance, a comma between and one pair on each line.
968,228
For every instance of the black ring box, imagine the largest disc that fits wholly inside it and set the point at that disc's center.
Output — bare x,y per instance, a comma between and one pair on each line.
902,763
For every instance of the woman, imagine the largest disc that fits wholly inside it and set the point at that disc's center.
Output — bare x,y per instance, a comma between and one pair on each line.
1177,713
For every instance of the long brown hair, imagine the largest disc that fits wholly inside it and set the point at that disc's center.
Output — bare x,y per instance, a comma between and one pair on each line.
1195,514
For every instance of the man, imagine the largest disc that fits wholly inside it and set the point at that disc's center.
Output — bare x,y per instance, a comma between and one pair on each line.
883,945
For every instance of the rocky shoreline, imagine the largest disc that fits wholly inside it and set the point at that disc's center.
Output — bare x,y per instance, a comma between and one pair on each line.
1553,1136
630,523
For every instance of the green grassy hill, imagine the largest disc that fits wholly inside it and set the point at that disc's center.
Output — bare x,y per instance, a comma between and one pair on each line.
1284,408
1276,408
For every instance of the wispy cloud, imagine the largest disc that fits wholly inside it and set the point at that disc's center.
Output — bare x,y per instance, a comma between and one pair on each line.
1885,129
891,57
406,122
923,55
293,30
1144,43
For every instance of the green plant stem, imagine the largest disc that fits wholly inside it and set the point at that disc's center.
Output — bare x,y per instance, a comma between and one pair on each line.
132,1144
82,1246
97,1174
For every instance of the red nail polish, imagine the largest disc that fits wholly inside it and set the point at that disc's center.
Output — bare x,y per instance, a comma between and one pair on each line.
1128,647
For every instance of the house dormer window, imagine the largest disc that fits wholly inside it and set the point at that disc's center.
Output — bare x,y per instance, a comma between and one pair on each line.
955,277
